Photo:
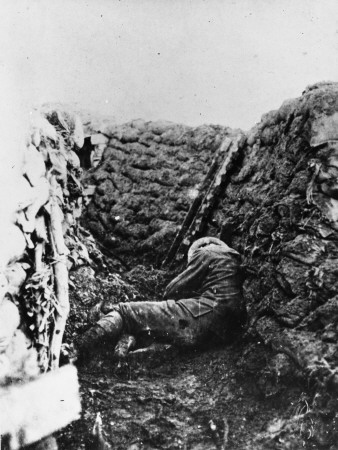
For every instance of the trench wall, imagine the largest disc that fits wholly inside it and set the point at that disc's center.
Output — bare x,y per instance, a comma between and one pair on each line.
279,210
149,175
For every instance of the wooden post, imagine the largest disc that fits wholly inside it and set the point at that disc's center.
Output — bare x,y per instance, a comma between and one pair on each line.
61,276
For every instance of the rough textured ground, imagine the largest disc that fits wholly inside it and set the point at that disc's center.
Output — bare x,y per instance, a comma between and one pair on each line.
166,399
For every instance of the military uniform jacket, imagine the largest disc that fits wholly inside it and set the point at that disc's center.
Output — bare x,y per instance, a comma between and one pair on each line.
211,283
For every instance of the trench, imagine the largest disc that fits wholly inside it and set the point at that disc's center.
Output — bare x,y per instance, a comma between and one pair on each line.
250,394
122,232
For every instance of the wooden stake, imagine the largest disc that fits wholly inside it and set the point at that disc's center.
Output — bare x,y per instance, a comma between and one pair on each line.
61,276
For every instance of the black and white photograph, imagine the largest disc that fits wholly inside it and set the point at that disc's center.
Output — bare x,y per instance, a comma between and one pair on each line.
169,225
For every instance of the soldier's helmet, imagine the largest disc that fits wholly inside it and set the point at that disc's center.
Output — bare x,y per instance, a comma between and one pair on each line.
208,242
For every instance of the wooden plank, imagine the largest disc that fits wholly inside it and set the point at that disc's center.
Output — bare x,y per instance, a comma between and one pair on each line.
38,408
194,208
61,276
230,149
200,208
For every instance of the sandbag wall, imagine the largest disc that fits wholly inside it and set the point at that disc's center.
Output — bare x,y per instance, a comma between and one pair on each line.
149,175
39,243
280,210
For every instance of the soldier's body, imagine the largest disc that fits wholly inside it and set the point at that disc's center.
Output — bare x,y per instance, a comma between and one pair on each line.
204,302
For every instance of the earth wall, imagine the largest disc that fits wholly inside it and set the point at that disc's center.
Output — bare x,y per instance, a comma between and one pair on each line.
279,210
149,175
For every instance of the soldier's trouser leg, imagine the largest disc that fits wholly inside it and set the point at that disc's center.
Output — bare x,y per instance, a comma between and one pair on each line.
166,321
106,331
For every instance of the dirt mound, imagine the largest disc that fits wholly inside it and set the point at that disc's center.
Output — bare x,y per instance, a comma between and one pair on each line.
149,175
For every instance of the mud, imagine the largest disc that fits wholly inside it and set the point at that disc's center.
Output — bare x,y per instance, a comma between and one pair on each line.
163,398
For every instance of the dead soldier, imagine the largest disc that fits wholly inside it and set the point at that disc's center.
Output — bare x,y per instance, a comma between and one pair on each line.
203,303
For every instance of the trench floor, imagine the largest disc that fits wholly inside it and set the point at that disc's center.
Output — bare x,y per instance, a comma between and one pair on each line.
221,398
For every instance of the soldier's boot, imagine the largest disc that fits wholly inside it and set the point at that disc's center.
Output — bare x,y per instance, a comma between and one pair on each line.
106,331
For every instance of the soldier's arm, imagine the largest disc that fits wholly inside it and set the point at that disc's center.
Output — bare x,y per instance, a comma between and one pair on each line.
187,283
